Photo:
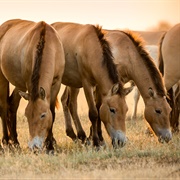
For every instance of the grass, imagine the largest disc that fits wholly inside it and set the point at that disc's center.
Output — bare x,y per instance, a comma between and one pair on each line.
142,157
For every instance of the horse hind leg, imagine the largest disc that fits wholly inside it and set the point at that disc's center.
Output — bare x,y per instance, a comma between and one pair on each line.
73,93
136,99
65,98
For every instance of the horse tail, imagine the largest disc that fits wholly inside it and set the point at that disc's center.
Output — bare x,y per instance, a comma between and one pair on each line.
38,59
160,57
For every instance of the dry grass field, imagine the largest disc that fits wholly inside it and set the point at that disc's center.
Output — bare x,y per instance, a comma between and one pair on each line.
142,157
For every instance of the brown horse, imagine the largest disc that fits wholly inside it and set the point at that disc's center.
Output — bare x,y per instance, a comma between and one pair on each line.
32,59
169,63
134,63
89,63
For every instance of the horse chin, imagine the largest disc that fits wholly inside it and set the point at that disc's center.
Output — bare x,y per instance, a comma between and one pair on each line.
36,143
118,137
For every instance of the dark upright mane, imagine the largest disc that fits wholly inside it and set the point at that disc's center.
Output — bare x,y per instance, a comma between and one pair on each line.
108,58
155,74
160,58
38,58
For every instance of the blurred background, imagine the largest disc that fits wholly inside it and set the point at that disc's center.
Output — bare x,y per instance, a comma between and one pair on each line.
111,14
141,15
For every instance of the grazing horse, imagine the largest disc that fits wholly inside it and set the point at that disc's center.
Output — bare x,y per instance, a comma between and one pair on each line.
32,59
134,63
169,62
89,63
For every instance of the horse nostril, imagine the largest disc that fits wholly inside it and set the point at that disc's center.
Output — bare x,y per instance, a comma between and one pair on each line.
161,139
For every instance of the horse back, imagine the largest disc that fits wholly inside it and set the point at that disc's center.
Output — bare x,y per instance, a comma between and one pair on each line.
169,54
21,42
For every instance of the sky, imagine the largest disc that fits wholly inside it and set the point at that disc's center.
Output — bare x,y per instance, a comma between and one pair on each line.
110,14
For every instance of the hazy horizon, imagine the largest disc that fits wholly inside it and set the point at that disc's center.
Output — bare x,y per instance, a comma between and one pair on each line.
111,14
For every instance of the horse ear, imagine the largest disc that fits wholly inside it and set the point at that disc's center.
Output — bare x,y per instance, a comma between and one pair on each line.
115,89
25,95
128,90
151,92
42,93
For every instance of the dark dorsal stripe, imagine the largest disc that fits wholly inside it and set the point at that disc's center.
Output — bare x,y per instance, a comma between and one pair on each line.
38,59
108,58
151,67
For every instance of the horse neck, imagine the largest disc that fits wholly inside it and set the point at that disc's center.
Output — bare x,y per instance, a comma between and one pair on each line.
104,84
135,69
143,80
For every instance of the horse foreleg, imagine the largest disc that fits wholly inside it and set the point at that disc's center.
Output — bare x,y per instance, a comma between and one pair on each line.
4,95
73,94
50,140
93,112
98,101
12,116
174,103
136,99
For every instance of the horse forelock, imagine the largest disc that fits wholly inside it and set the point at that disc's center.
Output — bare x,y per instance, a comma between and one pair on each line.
148,61
108,58
38,59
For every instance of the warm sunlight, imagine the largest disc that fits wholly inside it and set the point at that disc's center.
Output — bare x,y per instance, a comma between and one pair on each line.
131,14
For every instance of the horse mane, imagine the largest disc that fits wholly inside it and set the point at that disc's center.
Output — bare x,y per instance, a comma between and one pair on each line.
108,58
160,58
153,70
38,59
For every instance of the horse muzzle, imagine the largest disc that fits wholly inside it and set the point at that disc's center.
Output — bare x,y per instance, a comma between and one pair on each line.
36,143
164,136
119,139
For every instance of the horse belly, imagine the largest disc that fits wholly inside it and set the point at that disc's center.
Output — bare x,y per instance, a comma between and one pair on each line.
12,72
72,78
171,67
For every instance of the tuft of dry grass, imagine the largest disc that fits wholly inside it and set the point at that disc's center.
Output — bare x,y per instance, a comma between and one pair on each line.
142,157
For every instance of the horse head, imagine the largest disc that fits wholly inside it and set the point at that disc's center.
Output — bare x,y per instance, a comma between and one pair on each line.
113,114
157,113
39,118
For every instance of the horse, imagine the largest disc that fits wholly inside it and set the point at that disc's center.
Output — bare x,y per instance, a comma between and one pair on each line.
151,39
169,63
89,63
133,63
31,59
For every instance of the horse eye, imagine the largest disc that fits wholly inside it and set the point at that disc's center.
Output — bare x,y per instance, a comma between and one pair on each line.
43,115
158,111
112,110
